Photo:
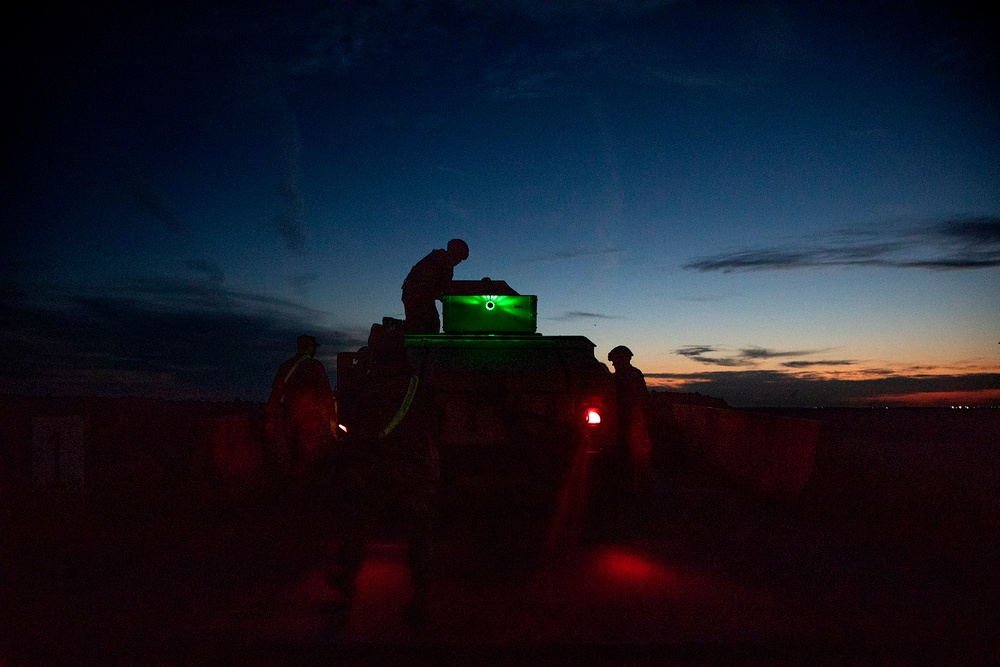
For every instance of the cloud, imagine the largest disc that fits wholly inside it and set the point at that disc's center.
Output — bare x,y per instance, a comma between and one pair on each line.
823,362
700,353
556,12
765,353
748,356
955,244
476,41
704,81
983,231
160,338
776,388
150,199
574,253
290,220
207,268
582,315
303,282
706,298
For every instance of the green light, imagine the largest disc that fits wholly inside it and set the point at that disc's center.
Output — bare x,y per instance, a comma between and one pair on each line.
486,313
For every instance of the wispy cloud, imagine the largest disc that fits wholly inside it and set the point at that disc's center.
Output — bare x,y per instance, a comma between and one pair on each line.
476,40
955,244
766,353
290,220
301,283
209,269
705,298
572,253
822,362
706,354
151,199
748,356
161,338
582,315
707,81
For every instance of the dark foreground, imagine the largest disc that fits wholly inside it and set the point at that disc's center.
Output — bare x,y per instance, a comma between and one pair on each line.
713,575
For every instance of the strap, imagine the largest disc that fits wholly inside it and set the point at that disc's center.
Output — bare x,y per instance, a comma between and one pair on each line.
403,408
294,366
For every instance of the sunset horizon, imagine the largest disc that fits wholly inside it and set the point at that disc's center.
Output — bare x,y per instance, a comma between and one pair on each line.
775,203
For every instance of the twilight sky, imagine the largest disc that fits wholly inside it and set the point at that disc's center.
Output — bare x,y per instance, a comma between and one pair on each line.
776,203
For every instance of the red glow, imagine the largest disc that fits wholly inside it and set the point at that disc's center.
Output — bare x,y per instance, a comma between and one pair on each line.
593,416
626,571
624,565
382,589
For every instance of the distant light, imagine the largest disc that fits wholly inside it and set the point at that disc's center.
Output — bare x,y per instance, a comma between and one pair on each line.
593,416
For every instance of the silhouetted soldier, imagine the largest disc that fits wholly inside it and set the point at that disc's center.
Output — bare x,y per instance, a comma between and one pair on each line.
632,400
299,410
426,282
393,471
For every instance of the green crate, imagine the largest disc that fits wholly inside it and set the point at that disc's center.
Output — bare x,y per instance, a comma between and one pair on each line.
490,313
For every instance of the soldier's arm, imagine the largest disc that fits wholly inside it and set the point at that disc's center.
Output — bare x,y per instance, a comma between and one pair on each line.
277,386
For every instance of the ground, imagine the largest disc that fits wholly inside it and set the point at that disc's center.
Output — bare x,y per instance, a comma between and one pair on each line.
713,575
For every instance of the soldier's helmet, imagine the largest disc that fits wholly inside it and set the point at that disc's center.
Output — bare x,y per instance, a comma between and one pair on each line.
459,249
620,353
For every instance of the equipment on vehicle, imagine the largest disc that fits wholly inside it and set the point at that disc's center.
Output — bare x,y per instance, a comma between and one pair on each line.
513,409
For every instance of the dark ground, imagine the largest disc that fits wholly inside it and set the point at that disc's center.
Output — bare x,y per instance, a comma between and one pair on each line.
859,570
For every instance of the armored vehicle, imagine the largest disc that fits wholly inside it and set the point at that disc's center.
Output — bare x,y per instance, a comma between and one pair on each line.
515,413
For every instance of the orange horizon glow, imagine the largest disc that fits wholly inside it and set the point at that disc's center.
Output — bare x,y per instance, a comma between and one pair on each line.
858,389
859,373
938,399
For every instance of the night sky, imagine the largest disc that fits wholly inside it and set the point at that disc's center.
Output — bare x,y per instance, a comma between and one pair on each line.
775,203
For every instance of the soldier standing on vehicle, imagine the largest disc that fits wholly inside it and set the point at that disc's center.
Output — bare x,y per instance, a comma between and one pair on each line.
425,284
299,410
632,400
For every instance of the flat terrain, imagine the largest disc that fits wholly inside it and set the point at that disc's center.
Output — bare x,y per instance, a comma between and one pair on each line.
712,575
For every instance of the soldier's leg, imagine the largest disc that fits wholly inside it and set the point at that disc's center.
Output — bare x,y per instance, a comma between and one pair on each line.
342,574
342,577
422,317
419,508
360,513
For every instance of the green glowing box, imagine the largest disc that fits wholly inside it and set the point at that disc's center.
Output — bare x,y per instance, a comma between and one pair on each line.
497,313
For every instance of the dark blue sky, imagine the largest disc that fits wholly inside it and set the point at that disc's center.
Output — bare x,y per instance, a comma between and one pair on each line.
773,202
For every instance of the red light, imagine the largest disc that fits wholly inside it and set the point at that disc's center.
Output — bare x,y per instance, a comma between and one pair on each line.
593,416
